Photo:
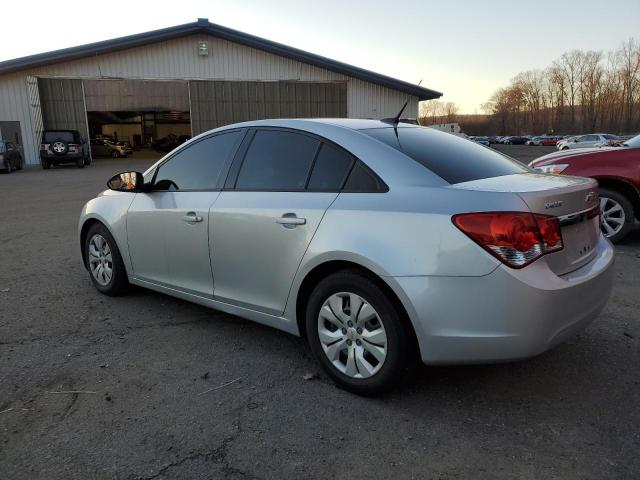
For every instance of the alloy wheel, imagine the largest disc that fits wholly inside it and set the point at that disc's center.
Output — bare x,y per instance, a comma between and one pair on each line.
612,216
352,335
100,260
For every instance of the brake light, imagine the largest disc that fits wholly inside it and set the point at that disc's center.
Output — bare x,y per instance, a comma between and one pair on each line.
514,238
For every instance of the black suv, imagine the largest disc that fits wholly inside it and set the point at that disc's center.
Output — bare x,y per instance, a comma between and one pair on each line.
63,146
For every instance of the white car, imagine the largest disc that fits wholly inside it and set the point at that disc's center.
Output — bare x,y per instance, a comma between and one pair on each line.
587,141
374,240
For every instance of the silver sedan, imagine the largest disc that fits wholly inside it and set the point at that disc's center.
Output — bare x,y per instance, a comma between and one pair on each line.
378,242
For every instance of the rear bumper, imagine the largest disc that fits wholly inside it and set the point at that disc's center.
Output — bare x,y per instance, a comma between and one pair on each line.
508,314
67,157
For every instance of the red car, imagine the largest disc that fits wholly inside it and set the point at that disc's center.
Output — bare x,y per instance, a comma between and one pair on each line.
548,141
617,170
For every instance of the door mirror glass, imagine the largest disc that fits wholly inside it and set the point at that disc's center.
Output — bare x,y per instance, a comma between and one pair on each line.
126,182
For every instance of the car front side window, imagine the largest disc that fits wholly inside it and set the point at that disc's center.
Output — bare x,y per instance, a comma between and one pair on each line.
198,166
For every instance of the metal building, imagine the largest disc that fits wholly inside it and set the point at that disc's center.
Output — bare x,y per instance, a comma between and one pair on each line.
185,80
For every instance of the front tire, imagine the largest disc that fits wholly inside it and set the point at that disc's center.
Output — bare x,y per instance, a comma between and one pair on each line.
115,154
356,333
616,214
104,262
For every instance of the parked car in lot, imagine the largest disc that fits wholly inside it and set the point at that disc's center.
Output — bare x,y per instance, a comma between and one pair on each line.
10,157
515,140
533,141
617,171
588,141
102,147
481,141
374,240
548,141
63,146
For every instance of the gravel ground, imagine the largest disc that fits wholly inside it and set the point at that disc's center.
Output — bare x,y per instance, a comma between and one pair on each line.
173,390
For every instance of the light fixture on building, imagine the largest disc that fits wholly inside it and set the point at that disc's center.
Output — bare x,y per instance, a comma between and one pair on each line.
203,49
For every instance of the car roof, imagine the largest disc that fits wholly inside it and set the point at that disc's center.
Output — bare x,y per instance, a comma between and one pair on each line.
302,123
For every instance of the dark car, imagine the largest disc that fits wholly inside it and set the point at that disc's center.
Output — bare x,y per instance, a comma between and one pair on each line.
10,157
516,140
618,173
63,146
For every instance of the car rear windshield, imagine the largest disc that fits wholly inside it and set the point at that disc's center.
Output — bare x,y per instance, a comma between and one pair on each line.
67,137
452,158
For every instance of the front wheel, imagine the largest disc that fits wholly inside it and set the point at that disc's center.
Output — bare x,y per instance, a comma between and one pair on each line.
616,214
356,333
106,268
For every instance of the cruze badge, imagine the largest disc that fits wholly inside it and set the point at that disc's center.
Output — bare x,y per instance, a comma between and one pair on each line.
557,203
590,196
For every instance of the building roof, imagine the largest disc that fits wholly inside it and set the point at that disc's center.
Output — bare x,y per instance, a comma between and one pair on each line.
204,26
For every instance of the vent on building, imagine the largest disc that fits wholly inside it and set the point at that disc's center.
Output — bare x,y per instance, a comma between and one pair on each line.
203,49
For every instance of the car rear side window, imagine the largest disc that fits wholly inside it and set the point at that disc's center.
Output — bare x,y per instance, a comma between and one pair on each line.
199,165
277,160
452,158
361,179
330,169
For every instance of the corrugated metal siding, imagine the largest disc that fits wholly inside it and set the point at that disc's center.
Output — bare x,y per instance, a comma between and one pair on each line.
136,95
178,59
62,103
217,103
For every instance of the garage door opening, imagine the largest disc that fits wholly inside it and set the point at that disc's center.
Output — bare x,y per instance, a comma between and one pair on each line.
160,131
140,115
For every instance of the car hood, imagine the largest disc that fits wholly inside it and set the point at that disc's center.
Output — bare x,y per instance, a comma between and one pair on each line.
566,154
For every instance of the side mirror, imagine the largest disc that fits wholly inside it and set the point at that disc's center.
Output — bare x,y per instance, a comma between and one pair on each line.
126,182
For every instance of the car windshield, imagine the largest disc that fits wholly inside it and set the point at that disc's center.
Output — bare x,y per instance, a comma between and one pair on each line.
633,142
610,137
452,158
53,136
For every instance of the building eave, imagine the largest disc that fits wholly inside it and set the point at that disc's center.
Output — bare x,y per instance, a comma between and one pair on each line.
205,27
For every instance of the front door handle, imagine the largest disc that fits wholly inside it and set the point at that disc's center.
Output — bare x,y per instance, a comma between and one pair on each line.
191,217
290,220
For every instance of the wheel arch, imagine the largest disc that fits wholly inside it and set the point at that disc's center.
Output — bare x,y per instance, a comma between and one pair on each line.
320,271
624,188
84,229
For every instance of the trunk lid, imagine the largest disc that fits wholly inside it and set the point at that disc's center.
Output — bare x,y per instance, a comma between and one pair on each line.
572,199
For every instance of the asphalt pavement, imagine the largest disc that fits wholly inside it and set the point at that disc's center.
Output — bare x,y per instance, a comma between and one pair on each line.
147,386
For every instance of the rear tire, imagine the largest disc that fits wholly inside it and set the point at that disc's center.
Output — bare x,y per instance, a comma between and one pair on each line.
80,163
45,164
105,265
8,168
615,208
354,363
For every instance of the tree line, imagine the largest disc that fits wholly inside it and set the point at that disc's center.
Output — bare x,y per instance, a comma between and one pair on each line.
582,91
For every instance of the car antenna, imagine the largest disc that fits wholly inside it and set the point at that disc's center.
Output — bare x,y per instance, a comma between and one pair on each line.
395,120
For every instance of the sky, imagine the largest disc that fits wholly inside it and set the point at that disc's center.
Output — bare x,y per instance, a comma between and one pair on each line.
465,49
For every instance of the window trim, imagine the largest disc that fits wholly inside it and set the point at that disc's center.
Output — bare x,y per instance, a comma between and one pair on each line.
234,171
223,171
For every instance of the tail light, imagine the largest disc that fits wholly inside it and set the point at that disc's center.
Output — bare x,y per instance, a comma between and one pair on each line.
514,238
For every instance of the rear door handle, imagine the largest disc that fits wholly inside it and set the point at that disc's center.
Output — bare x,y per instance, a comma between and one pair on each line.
290,220
191,217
